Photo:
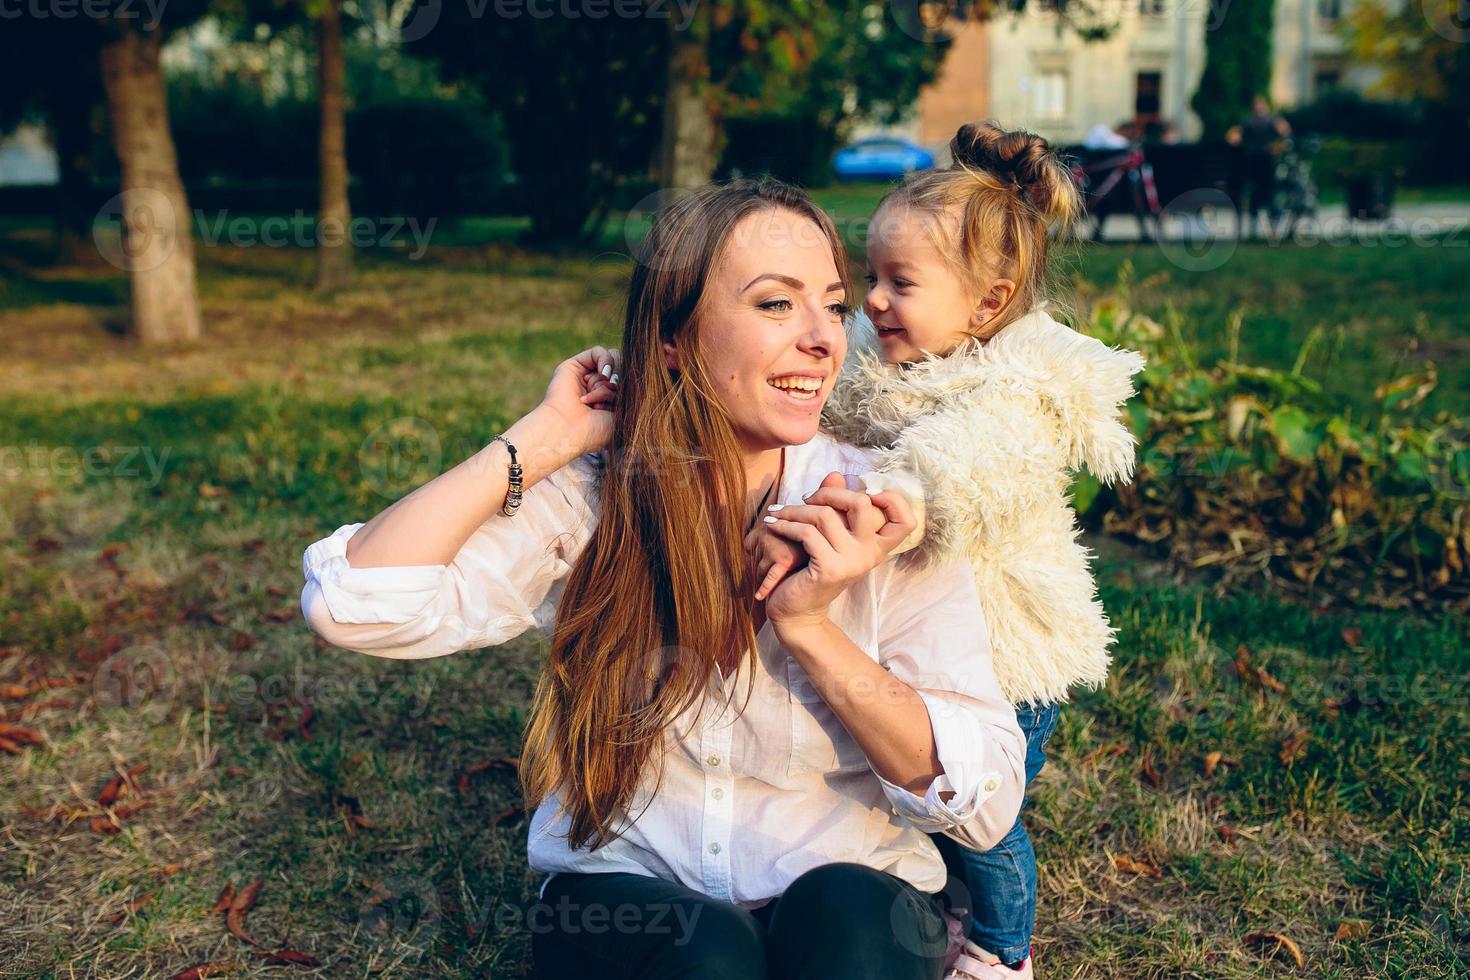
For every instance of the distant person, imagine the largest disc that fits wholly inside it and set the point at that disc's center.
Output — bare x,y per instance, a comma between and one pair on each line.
1261,136
1103,137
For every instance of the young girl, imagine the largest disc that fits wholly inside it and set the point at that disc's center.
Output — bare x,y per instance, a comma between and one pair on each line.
993,405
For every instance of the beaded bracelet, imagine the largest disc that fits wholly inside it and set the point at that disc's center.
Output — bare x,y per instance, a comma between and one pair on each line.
513,497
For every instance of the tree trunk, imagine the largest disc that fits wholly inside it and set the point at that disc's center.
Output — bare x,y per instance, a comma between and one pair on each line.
689,150
158,245
334,214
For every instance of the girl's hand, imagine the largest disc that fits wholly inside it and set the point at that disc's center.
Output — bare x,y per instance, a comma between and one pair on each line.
773,557
846,534
582,394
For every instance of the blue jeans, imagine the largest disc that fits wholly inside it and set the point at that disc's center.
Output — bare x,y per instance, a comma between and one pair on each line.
1001,882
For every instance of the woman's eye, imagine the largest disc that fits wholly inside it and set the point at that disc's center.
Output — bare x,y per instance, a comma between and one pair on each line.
776,305
839,309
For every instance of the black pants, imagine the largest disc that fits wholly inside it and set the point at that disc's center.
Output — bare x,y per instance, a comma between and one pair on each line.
838,921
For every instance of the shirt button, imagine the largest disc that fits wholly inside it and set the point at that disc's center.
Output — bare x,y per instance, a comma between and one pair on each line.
714,848
717,793
992,784
713,760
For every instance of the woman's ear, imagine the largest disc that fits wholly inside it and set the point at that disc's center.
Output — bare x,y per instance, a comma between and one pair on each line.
671,356
990,305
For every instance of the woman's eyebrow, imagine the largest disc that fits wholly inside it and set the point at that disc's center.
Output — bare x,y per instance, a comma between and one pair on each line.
789,281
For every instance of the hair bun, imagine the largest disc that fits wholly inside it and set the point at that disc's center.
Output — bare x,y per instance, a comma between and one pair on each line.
1022,158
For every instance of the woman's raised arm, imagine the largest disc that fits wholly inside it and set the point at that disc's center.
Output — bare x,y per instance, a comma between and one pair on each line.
430,525
442,570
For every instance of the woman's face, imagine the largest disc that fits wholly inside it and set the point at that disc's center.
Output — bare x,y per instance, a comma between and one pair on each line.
771,328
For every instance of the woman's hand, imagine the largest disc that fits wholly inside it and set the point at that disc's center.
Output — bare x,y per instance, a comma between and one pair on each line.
845,534
582,394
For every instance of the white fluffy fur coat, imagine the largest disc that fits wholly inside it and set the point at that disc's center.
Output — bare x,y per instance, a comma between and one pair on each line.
994,432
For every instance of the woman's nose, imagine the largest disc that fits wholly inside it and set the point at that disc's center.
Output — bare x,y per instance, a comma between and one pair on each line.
823,336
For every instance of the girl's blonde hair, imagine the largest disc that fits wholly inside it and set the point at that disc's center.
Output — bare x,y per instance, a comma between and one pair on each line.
993,210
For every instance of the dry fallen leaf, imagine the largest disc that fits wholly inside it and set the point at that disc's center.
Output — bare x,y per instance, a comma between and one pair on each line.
15,692
133,908
1274,944
242,904
286,957
115,785
1227,833
510,813
226,898
1242,663
1293,747
202,970
463,781
1352,929
1269,682
1148,772
1138,866
18,736
1352,636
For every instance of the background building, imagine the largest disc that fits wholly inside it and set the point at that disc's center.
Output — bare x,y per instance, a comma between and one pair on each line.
1032,70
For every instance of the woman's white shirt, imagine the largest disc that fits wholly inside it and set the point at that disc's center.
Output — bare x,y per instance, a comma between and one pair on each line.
749,798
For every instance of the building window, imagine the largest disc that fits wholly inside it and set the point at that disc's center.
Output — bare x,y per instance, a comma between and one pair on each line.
1153,8
1329,10
1325,81
1148,93
1049,94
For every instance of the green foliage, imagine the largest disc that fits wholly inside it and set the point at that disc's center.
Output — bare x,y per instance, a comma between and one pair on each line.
1254,471
852,61
1237,64
580,101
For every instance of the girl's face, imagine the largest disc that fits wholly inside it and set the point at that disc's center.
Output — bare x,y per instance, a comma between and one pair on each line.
915,299
770,328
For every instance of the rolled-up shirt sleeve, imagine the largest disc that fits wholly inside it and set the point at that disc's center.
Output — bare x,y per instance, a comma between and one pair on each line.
932,636
505,580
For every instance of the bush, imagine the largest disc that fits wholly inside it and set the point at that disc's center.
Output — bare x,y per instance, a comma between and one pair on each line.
406,156
1253,472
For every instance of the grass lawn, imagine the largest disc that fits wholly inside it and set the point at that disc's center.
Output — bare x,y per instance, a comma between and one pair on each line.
1251,767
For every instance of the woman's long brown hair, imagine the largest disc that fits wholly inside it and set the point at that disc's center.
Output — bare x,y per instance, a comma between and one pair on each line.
662,592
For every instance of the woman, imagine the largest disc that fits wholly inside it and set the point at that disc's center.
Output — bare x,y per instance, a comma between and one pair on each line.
719,784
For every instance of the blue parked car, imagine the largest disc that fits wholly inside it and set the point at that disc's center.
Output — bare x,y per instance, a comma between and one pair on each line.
880,158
